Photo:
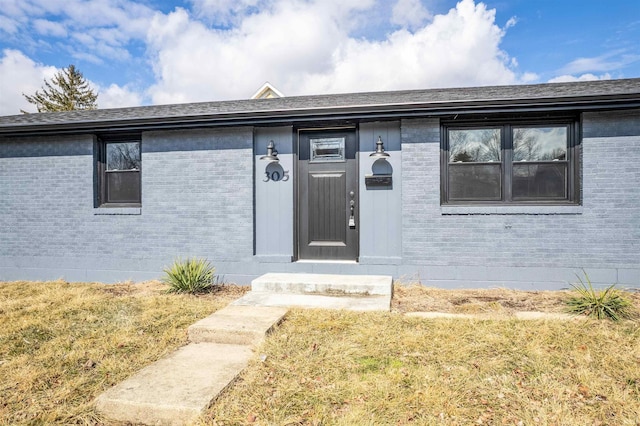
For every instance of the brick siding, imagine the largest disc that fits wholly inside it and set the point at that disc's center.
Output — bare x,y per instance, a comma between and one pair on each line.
197,200
605,235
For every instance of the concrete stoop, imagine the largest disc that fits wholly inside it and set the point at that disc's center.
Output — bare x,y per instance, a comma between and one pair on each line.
326,291
319,301
327,284
178,388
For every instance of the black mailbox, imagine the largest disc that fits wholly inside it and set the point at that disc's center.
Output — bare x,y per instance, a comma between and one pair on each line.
378,180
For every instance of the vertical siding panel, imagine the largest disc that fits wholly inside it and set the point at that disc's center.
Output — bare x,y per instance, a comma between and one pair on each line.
274,200
380,208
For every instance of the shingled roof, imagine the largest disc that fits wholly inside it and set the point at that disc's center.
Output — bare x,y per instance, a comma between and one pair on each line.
576,96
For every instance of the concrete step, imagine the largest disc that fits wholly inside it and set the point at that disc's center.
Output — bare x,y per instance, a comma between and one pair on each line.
238,325
176,389
325,284
354,303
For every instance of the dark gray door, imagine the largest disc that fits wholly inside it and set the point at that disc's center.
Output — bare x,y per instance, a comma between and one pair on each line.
327,195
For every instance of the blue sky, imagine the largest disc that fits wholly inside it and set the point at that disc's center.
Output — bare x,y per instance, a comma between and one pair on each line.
166,51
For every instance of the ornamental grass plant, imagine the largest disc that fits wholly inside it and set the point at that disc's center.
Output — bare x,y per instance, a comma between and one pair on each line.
609,303
192,275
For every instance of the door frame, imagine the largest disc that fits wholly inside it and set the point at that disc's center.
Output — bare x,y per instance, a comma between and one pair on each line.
296,185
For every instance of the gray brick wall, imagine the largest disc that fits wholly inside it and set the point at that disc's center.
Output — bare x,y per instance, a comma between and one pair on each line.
476,249
197,200
611,174
197,194
46,196
611,124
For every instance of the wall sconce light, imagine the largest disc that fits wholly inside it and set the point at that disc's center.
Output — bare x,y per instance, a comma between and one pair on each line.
272,154
379,152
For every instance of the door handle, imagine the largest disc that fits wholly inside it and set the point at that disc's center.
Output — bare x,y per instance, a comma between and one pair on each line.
352,207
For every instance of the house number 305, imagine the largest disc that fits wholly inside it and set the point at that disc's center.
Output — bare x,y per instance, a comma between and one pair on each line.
276,176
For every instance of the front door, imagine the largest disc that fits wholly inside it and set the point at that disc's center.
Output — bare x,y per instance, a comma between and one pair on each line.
327,195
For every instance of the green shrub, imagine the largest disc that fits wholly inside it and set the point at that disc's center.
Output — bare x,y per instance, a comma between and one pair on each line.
609,303
190,276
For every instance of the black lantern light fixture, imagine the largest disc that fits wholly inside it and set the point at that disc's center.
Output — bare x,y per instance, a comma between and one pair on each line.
272,154
379,152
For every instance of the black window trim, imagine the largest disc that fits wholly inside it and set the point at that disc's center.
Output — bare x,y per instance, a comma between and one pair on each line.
506,123
100,189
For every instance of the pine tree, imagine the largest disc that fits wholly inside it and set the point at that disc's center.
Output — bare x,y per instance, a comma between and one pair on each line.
67,91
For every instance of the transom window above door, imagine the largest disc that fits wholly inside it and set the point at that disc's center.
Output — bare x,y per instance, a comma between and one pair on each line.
326,149
516,163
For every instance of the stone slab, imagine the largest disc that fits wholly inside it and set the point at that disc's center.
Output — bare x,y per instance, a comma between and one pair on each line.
353,303
238,325
520,315
327,284
176,389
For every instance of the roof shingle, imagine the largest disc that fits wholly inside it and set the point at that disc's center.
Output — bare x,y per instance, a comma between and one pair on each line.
283,109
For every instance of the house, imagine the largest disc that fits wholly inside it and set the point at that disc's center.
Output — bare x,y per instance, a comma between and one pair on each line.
267,91
516,186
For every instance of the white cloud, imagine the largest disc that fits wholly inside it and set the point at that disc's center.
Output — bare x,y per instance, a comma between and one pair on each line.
584,77
608,62
409,14
460,48
511,22
128,15
49,28
19,74
116,96
304,47
301,46
231,13
100,44
103,28
195,63
226,12
8,25
529,77
595,68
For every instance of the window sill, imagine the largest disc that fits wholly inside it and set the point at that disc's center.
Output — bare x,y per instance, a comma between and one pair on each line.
117,211
506,210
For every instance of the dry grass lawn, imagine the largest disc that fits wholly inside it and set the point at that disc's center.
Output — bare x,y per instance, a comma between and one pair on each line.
62,344
501,301
341,368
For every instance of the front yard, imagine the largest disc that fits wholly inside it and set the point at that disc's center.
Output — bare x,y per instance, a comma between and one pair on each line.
337,368
63,344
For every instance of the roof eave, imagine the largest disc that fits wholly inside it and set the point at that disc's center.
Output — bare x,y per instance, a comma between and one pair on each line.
351,112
